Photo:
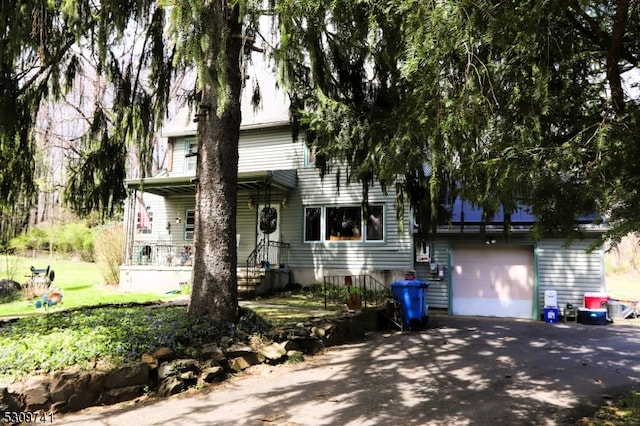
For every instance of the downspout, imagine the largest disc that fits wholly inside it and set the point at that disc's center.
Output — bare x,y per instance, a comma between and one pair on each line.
536,314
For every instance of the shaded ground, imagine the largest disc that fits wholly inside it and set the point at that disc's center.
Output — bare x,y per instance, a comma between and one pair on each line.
462,370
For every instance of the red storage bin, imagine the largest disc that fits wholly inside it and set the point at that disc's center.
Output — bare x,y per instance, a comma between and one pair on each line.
595,300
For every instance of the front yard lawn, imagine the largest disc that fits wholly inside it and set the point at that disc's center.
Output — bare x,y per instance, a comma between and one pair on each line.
80,283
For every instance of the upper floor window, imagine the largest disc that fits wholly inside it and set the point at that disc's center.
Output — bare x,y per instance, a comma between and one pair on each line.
344,223
190,155
309,156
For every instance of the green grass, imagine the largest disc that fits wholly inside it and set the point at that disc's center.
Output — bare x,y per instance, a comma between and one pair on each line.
621,266
622,412
81,334
295,306
80,283
624,286
307,298
282,314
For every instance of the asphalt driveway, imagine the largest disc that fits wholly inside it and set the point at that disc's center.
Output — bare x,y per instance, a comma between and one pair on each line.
460,371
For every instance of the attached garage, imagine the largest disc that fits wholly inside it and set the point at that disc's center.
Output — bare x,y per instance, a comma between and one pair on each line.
509,278
493,281
483,272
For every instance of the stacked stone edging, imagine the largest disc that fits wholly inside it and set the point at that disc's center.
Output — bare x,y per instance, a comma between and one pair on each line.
162,374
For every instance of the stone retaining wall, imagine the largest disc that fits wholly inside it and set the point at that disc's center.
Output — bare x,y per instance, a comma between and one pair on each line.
161,374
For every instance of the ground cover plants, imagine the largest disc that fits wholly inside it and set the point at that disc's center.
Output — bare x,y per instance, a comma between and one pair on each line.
622,412
106,337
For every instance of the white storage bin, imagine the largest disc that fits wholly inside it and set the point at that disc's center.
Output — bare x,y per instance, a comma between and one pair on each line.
550,299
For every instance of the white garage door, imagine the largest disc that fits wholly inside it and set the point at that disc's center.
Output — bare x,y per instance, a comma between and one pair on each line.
492,281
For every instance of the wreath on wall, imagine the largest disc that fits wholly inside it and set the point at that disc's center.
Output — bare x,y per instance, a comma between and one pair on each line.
268,220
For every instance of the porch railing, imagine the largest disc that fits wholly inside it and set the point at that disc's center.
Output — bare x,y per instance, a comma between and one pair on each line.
160,254
268,255
370,292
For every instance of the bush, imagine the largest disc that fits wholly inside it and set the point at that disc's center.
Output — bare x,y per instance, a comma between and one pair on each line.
33,239
75,238
9,290
72,238
109,248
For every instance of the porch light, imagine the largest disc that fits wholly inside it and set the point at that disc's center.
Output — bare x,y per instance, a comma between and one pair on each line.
283,203
251,204
178,220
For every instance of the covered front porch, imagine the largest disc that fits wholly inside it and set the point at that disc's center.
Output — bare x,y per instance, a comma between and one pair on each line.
160,225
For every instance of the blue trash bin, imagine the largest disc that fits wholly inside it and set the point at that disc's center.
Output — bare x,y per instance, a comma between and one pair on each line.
412,295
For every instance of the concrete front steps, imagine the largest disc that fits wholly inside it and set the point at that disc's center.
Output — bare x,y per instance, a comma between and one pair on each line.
255,282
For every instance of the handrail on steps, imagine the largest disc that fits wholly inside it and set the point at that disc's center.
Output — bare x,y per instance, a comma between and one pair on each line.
265,255
370,292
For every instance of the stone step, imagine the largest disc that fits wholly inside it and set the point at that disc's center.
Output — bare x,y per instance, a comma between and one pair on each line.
248,280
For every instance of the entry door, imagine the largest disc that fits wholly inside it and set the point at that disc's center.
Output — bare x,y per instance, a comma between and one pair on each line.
492,281
274,236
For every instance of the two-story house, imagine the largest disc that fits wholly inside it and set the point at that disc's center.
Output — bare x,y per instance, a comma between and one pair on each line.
319,231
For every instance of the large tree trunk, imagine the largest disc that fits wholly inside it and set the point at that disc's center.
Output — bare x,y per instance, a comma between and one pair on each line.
214,291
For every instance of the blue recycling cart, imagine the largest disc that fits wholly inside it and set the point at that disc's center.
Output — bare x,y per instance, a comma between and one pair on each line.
412,297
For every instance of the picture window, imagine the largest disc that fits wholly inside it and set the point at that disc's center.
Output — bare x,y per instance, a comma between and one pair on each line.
344,223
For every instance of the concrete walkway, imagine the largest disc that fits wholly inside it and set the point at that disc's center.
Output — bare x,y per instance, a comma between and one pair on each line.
462,371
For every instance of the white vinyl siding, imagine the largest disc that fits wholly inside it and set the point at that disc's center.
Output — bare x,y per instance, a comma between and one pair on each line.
245,227
260,149
438,291
247,219
570,271
170,217
393,253
153,207
269,149
273,149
